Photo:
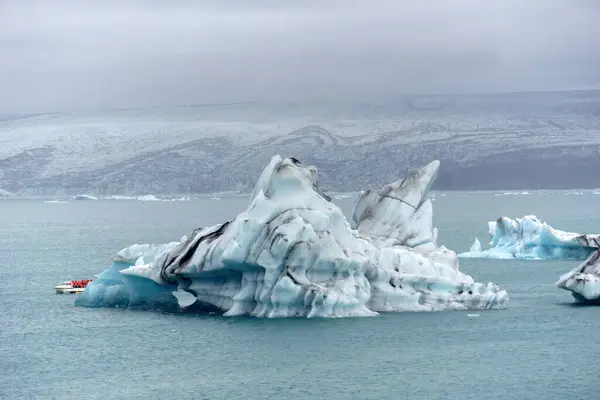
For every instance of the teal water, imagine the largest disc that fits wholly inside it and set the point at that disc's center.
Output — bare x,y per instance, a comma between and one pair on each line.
542,346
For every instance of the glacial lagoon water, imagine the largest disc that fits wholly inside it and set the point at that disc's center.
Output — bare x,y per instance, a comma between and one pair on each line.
543,346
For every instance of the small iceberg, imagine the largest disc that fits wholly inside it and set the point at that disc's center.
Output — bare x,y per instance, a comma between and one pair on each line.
475,247
84,197
119,197
148,197
584,281
55,202
340,196
528,238
184,198
512,194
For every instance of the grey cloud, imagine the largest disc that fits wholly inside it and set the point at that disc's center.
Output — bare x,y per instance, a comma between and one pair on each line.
73,54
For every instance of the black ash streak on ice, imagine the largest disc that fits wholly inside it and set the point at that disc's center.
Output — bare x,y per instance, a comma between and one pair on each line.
292,253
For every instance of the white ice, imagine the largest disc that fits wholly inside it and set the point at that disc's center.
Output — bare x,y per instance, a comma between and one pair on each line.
293,253
475,247
528,238
84,197
120,197
584,281
148,197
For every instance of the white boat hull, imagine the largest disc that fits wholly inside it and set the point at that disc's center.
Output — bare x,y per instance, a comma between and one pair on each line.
68,289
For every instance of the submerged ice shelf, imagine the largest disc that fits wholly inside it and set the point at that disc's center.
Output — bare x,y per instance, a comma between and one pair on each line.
528,238
292,253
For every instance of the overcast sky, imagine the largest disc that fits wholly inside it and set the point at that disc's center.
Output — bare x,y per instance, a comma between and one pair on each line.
61,55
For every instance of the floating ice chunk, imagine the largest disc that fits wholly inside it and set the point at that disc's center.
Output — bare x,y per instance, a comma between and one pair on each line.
119,197
512,194
292,253
528,238
55,202
148,197
584,281
184,198
84,197
476,246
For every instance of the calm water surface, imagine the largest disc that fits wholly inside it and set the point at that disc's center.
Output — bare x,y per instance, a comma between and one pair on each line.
541,347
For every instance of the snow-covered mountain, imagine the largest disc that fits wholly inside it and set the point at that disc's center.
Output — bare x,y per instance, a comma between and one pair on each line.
519,140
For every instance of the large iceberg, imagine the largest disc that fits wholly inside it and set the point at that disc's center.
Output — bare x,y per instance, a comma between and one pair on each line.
528,238
293,253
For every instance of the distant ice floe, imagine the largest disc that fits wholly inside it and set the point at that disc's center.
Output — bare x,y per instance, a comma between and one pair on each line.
528,238
185,198
118,197
292,253
84,197
148,197
512,194
475,247
56,202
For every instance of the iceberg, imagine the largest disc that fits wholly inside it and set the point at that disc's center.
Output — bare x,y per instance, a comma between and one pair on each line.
584,281
292,253
528,238
475,247
148,197
120,197
184,198
84,197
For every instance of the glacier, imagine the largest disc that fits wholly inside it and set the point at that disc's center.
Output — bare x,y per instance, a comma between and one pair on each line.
528,238
292,253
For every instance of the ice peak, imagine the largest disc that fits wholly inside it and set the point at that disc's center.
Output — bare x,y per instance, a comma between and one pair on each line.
400,213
